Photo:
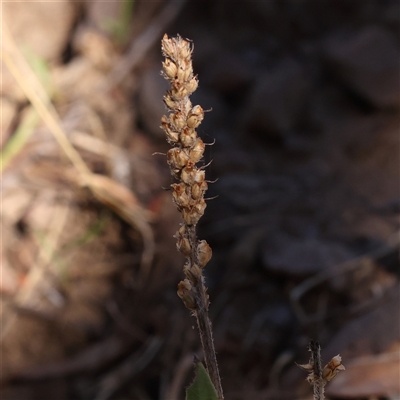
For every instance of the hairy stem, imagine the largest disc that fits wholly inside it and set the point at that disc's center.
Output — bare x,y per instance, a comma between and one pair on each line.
318,377
319,382
206,337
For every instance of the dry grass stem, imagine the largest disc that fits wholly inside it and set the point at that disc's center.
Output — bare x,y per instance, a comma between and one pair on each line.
107,191
188,194
33,90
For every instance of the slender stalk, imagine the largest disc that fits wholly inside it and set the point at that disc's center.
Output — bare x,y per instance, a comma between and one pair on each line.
188,194
206,337
318,377
319,382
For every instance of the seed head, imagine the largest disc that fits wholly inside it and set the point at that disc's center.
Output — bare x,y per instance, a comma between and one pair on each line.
170,69
185,292
188,137
195,117
196,153
332,368
204,253
177,158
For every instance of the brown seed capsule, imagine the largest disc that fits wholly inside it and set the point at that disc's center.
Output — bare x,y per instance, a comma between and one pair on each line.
170,102
172,136
195,117
184,73
198,189
179,92
177,158
192,85
170,68
200,206
204,253
164,120
183,245
193,213
168,47
185,292
196,153
188,137
199,175
179,195
332,368
185,49
187,173
178,120
186,106
191,174
194,273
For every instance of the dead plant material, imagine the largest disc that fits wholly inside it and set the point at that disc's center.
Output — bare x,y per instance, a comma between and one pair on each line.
187,150
318,377
107,191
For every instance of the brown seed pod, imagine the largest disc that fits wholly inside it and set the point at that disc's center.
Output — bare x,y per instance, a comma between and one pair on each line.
195,117
185,49
179,195
332,368
199,175
170,69
185,292
168,47
198,189
172,136
188,137
193,213
180,92
190,174
204,253
192,85
170,102
177,158
196,153
187,173
184,73
178,120
183,245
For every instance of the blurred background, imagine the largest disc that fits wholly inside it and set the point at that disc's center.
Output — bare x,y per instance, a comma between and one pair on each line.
304,217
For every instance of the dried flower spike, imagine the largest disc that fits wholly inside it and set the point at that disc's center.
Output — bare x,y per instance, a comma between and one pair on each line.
188,194
317,376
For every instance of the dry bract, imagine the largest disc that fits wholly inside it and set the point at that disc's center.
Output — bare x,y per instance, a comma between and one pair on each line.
204,253
318,377
186,294
332,368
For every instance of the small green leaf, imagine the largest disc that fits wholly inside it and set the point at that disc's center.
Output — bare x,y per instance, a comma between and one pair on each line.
202,387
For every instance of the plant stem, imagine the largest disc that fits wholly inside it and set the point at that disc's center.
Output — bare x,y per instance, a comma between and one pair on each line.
187,150
206,337
319,382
